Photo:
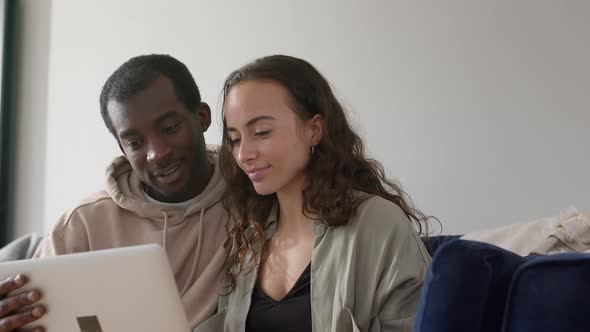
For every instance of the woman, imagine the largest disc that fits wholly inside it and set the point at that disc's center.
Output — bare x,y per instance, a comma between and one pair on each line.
323,241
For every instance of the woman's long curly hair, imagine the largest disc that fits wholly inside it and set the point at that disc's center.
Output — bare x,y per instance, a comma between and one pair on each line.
338,167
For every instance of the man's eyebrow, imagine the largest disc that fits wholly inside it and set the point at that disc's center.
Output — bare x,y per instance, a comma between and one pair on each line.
169,114
127,133
253,121
131,132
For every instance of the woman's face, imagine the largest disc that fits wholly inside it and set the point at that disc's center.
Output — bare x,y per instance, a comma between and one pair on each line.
271,144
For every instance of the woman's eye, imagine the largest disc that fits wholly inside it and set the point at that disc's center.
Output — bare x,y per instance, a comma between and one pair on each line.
263,133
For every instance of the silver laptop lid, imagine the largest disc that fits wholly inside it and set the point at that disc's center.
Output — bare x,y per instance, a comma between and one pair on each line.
115,290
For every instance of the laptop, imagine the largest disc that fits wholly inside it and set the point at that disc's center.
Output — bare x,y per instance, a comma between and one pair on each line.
115,290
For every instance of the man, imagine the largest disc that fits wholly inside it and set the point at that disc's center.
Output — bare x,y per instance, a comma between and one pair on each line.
165,188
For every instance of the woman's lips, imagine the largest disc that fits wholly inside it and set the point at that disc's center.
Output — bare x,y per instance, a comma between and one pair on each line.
257,174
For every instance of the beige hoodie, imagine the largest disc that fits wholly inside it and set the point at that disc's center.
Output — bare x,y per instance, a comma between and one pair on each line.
122,216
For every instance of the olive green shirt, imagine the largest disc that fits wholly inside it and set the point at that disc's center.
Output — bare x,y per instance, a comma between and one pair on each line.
365,276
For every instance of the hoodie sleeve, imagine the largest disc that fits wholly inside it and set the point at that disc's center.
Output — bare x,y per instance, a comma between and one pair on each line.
68,236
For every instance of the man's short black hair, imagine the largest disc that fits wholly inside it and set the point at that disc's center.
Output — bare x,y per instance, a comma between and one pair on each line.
138,73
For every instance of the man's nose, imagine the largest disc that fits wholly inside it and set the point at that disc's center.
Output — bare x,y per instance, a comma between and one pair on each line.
158,150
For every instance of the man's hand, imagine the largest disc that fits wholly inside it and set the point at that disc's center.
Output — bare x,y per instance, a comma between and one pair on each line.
13,314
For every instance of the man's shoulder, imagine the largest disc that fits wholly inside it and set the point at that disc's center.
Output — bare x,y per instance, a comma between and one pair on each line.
94,198
98,200
95,205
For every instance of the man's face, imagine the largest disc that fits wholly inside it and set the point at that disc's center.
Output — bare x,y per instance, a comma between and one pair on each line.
163,140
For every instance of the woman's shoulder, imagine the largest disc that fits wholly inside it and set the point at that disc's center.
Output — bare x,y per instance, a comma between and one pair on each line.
382,221
378,211
377,218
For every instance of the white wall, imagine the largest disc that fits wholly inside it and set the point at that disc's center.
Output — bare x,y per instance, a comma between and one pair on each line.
31,102
480,109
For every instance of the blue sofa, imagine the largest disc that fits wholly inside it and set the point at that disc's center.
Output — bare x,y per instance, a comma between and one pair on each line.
473,286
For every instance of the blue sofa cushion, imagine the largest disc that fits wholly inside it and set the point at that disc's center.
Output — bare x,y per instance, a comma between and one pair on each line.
465,288
432,243
550,293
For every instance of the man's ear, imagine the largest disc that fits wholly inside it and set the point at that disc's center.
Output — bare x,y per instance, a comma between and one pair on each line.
204,115
317,128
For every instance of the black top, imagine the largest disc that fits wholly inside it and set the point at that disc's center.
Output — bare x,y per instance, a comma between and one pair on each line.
291,313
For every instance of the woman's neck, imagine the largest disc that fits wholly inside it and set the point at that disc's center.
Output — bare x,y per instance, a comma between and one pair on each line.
291,216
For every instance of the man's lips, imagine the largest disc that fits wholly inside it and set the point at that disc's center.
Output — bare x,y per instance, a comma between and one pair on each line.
256,174
166,170
169,174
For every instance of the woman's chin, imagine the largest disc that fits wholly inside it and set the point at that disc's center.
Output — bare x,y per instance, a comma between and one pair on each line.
263,190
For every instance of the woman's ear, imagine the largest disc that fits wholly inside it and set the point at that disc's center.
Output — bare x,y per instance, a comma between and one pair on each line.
317,129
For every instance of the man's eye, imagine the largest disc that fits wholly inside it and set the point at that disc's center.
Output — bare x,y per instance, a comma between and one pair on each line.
133,144
171,129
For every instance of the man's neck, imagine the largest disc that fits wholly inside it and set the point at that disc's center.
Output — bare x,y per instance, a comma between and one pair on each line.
202,181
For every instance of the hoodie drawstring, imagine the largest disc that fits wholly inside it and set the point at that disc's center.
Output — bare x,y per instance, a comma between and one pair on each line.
197,254
165,234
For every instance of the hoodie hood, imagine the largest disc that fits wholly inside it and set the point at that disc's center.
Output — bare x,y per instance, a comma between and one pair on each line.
125,188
